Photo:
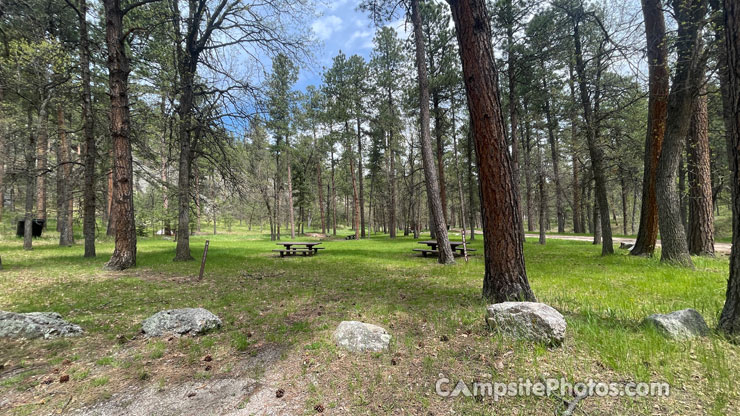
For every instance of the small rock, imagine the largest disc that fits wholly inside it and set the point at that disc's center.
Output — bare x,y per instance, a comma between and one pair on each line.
319,408
279,393
64,378
187,321
360,337
679,325
207,358
31,325
191,394
527,320
208,368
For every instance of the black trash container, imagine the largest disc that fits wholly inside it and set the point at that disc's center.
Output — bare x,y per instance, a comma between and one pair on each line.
37,226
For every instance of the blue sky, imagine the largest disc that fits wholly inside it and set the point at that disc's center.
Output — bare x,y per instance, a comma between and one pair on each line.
340,26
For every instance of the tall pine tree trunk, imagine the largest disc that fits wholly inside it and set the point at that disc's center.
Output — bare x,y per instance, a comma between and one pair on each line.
30,174
505,274
333,196
361,175
729,321
701,218
392,183
42,162
528,170
542,196
66,229
321,198
578,226
3,156
682,194
291,214
124,254
355,194
430,174
110,230
657,54
552,139
513,99
439,133
88,214
187,69
471,183
594,145
623,194
689,71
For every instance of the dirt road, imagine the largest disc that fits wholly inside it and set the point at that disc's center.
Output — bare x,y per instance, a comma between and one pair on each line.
719,248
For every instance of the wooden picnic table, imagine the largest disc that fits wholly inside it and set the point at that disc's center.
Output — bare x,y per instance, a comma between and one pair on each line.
455,245
295,247
433,244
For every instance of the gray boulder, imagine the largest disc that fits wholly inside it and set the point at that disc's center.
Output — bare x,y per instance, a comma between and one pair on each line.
360,337
186,321
36,325
527,320
679,325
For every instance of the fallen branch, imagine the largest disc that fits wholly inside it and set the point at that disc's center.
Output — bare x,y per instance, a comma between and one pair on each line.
572,404
66,404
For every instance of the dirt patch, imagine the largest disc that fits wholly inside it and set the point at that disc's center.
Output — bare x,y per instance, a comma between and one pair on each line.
247,390
316,235
719,248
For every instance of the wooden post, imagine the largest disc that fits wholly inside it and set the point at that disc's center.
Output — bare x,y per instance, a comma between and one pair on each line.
203,261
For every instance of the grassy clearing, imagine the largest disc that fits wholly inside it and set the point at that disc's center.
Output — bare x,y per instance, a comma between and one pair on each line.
434,313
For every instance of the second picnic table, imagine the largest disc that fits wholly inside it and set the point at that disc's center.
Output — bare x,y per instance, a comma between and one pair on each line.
457,246
292,248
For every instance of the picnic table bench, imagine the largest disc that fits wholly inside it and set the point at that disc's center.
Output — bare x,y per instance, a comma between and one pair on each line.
457,248
292,248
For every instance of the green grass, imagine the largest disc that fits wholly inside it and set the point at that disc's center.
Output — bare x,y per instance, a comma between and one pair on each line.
294,304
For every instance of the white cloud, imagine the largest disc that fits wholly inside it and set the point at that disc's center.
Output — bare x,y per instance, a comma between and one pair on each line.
403,28
363,36
333,5
325,26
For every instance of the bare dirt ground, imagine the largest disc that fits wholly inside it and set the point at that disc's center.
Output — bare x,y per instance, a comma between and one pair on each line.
719,248
241,393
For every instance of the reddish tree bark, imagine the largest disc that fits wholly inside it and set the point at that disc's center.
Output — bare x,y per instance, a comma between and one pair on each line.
124,254
701,218
657,54
505,274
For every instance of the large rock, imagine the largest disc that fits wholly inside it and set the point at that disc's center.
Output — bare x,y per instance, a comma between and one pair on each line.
187,321
679,325
36,325
360,337
527,320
